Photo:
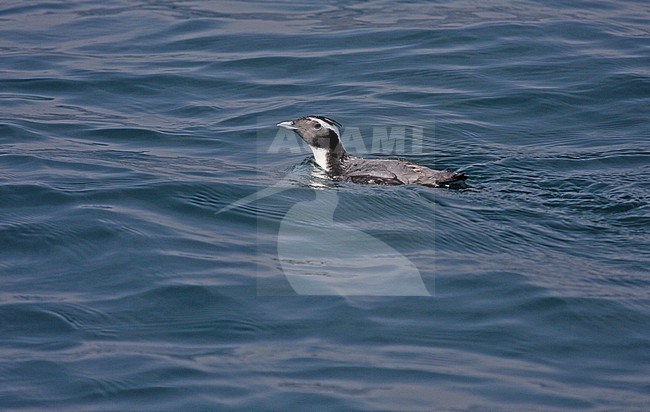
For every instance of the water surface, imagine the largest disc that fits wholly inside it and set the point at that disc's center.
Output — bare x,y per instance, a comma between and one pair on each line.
126,127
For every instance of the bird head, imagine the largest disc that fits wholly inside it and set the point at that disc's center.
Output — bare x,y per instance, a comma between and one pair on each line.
317,131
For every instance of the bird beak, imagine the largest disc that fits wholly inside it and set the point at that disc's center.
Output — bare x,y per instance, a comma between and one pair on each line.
287,125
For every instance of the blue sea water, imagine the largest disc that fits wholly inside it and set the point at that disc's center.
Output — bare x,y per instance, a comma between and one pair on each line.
133,276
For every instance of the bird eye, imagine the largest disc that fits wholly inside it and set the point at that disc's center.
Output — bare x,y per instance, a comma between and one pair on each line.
317,126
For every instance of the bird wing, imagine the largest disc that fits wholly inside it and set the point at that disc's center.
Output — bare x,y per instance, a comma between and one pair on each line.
370,172
395,172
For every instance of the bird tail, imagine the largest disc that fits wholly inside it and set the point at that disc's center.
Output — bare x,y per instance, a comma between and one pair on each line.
454,181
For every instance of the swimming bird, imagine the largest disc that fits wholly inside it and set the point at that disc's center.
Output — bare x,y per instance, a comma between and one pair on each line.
323,136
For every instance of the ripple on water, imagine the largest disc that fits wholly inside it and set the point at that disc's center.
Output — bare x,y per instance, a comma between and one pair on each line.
126,129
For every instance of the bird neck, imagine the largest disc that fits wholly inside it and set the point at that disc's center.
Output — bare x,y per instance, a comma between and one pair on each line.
330,159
